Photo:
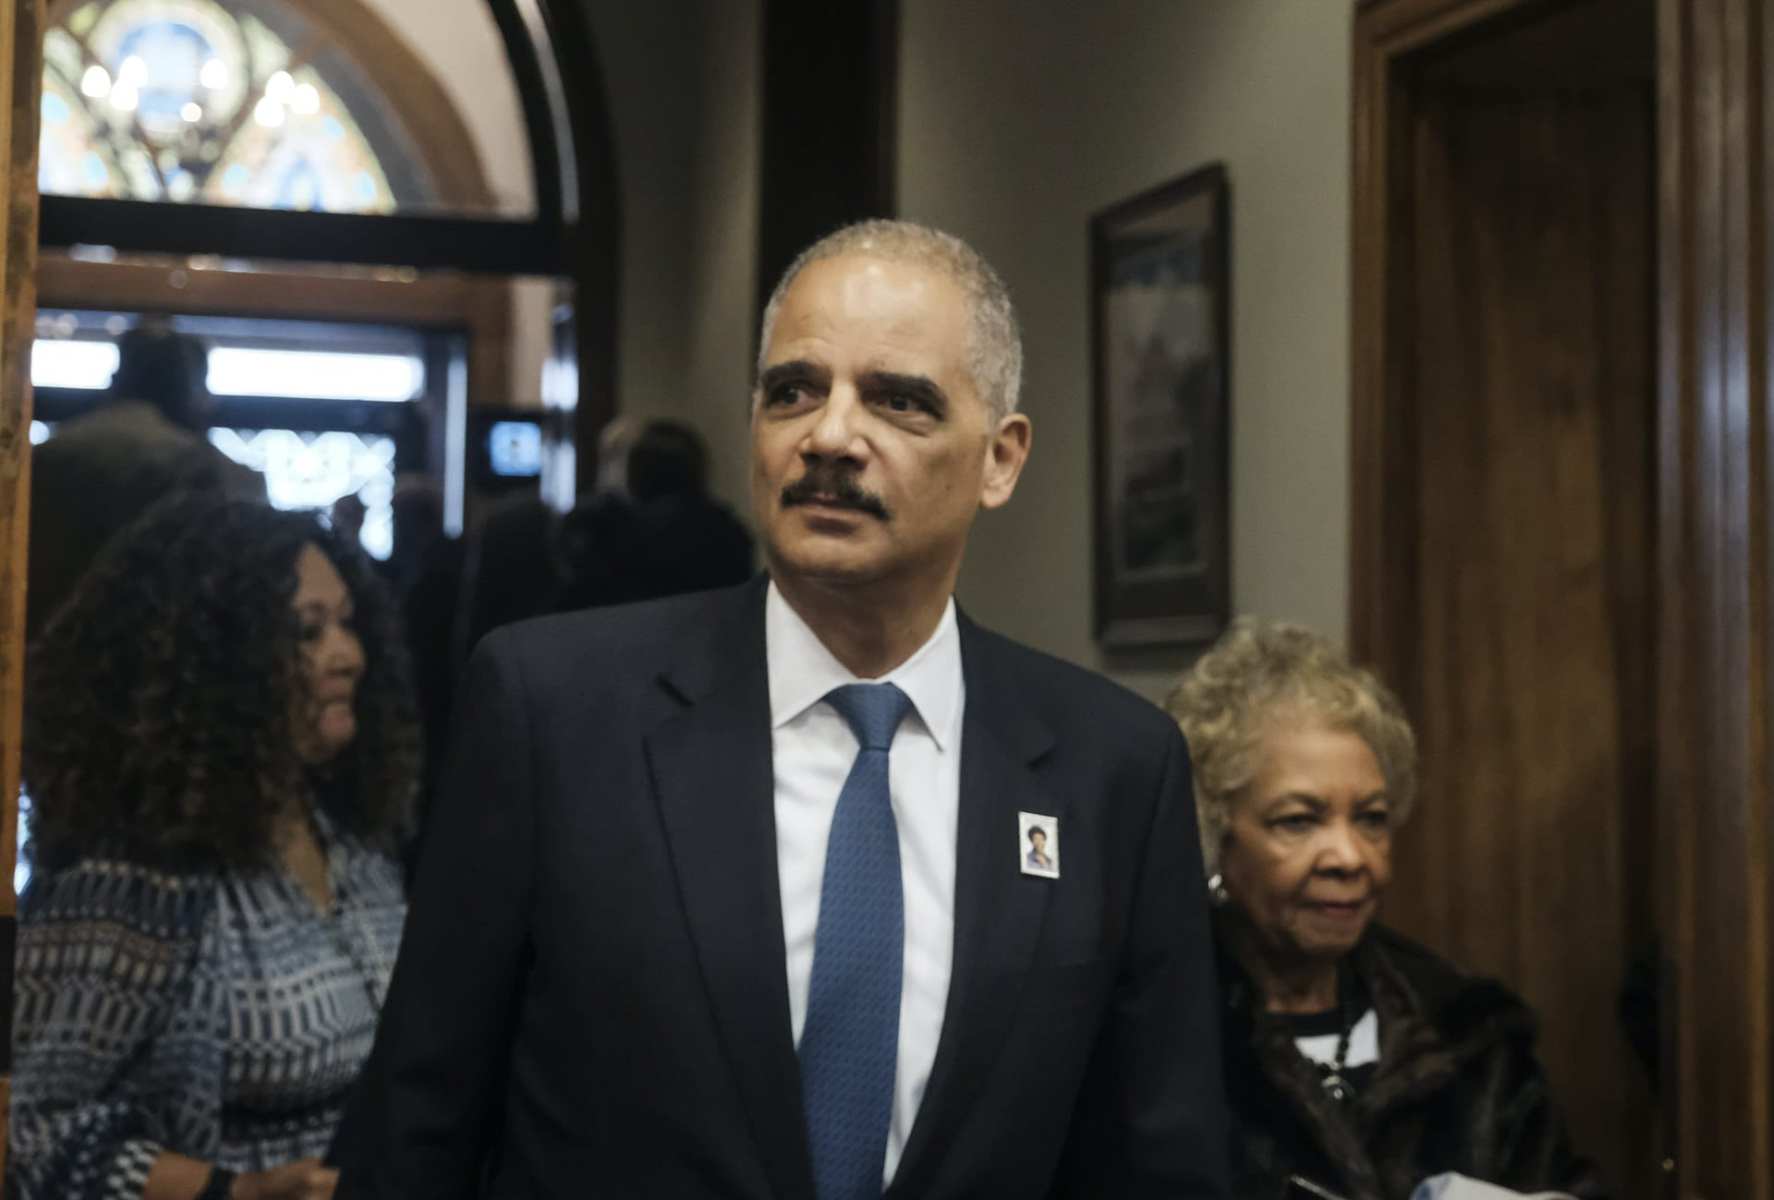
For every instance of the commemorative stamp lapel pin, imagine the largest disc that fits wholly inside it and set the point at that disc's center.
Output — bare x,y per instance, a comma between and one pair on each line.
1037,845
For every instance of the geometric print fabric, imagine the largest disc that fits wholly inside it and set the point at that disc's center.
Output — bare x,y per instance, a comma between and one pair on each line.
217,1015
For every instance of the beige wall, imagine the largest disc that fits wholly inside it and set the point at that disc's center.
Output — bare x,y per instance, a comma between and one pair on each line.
1018,119
459,41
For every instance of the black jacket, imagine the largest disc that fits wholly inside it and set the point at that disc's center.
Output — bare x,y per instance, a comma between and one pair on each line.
591,997
1457,1088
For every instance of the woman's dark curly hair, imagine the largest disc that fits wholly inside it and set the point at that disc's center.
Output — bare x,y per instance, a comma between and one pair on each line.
159,699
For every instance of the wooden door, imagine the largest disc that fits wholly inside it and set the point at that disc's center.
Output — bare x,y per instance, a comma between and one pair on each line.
1504,573
20,88
1533,380
1573,611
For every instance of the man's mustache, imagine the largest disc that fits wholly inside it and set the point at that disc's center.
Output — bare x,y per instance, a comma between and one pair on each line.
831,484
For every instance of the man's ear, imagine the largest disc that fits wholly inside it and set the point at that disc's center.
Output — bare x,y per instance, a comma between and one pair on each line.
1005,456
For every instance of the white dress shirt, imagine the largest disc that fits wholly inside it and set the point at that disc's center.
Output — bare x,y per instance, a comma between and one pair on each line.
812,751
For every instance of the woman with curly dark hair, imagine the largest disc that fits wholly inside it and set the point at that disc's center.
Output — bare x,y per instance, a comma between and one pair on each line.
221,750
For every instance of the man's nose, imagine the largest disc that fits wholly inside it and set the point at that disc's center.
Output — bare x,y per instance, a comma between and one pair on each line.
834,434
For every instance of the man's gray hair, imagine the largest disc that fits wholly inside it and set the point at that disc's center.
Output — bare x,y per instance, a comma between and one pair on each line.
994,343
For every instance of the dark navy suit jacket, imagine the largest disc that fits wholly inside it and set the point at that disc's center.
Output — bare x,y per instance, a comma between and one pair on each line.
591,999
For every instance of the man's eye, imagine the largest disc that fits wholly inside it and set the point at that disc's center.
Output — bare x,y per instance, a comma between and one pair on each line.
903,402
787,395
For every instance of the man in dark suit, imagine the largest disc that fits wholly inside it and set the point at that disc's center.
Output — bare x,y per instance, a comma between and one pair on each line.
724,896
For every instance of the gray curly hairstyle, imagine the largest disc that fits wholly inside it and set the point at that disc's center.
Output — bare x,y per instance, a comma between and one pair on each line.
995,346
1257,668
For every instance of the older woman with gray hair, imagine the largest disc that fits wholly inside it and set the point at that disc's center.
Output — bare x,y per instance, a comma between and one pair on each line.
1358,1064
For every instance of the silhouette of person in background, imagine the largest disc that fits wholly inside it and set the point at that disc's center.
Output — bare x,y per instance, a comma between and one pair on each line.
512,572
418,514
347,516
687,541
668,537
105,468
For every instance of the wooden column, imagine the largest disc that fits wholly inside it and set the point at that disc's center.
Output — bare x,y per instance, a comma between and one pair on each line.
21,48
1716,656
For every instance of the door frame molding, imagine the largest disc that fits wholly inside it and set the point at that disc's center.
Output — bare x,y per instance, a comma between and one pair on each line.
21,49
1715,654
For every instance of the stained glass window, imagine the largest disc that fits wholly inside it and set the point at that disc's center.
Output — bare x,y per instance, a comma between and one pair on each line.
198,101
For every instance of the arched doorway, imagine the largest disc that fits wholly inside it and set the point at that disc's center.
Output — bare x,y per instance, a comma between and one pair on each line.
291,160
329,382
398,221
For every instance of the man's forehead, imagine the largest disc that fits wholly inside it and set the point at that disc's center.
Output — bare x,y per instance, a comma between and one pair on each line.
893,308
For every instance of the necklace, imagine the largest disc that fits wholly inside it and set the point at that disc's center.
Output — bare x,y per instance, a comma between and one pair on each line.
1335,1083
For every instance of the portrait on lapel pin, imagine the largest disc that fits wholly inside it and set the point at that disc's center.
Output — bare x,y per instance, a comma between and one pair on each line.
1038,848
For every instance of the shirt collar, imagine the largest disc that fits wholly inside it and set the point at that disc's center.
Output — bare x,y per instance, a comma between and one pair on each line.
803,671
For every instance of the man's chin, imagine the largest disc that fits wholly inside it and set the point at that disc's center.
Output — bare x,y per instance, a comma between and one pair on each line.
827,560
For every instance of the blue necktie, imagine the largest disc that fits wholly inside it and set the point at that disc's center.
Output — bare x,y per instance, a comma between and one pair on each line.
850,1042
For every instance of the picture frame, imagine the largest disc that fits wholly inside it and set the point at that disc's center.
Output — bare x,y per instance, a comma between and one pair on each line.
1160,308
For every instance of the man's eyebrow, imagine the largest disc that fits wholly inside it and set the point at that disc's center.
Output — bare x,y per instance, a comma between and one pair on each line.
921,386
796,371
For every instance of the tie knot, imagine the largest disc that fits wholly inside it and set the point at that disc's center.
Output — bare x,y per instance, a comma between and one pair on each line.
874,711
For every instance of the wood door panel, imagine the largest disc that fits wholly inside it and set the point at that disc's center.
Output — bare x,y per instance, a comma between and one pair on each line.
1532,377
1716,521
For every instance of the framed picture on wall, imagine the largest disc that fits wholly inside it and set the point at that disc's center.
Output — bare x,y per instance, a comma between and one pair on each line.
1159,355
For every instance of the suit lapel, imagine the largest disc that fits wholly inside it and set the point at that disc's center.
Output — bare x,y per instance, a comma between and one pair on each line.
712,777
999,911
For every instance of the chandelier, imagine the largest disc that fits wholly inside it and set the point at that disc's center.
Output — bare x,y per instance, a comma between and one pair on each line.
188,101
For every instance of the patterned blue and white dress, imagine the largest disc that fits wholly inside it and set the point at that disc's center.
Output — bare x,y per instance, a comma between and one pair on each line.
220,1016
